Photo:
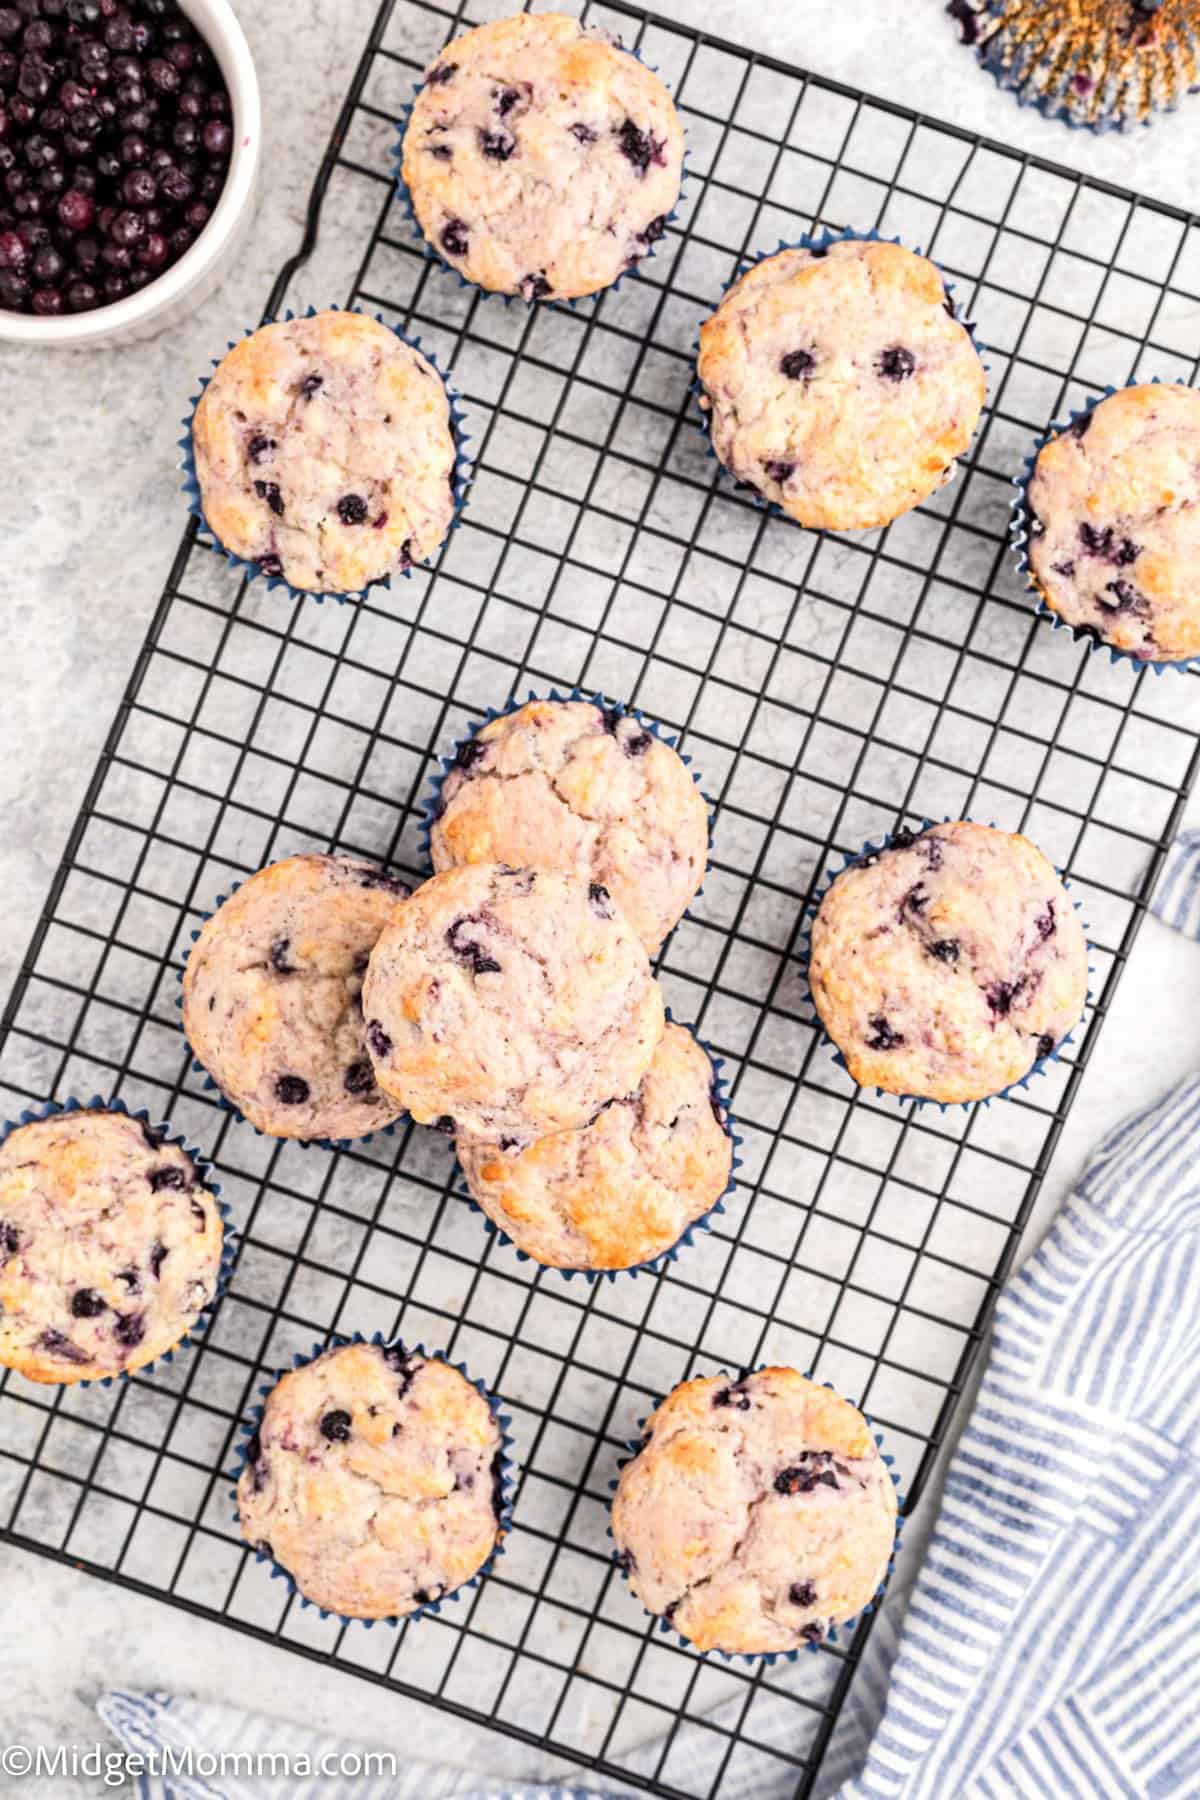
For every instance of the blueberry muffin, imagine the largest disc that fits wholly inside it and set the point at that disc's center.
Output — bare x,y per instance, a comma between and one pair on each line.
374,1479
564,784
509,1003
325,453
948,964
625,1188
756,1514
1114,540
839,384
272,1001
110,1246
542,160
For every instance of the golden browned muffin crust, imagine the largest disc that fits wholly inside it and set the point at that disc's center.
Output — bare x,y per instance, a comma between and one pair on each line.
839,384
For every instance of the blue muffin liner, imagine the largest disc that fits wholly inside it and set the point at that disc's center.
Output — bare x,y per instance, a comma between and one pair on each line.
1021,529
249,1427
404,196
655,1265
1058,73
461,474
767,1658
432,805
1038,1067
203,1167
212,1086
811,241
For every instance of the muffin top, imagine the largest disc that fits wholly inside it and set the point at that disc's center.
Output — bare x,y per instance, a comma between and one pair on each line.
756,1514
509,1003
110,1246
838,382
542,160
564,784
272,996
1114,543
374,1479
948,964
625,1188
324,452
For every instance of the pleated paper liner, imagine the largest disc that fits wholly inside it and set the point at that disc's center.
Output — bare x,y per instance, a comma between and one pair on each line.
229,1238
1092,64
432,253
768,1658
1038,1067
212,1086
506,1476
656,1264
817,242
433,804
461,475
1022,527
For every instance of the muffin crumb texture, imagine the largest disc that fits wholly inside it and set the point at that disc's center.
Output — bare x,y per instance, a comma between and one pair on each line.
375,1479
542,159
272,1001
509,1002
756,1514
325,452
948,964
110,1246
625,1188
839,384
569,785
1114,545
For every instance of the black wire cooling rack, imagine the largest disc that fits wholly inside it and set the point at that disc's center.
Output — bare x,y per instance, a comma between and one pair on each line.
827,688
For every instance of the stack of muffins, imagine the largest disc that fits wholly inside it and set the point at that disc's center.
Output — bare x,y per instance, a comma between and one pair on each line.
509,1001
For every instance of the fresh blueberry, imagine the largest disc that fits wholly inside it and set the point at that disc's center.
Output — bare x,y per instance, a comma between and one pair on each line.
1096,543
641,148
291,1090
269,491
896,363
352,509
378,1040
130,1329
278,955
336,1426
883,1038
87,1304
168,1177
497,145
359,1078
455,238
467,951
798,363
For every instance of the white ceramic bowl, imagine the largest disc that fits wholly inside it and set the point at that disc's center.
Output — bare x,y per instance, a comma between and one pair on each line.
182,286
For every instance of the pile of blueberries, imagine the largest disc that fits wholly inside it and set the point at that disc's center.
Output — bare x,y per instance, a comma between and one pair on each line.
115,136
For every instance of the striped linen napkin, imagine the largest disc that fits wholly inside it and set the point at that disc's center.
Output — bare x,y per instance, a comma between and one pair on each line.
1050,1643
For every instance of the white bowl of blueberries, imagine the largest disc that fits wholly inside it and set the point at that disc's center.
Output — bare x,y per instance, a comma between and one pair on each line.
129,145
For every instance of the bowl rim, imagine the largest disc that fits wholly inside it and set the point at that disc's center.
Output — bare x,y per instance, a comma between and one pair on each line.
218,24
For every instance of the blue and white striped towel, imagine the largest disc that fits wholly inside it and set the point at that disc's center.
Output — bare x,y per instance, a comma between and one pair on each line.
1051,1641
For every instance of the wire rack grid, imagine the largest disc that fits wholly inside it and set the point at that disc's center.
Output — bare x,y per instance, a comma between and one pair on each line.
828,687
